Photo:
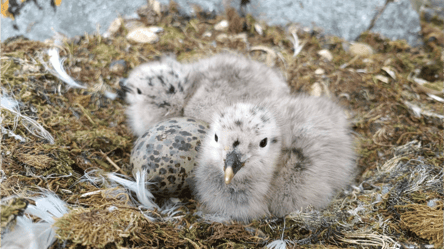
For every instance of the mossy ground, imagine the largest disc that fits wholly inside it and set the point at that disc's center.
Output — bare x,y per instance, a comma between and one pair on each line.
90,131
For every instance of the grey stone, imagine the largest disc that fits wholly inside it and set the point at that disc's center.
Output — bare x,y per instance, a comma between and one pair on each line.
346,19
399,21
215,6
72,17
432,8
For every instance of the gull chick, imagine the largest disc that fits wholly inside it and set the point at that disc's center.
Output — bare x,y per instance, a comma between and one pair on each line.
155,91
159,90
273,157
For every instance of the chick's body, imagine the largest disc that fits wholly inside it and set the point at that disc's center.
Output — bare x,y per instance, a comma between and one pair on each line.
306,157
266,152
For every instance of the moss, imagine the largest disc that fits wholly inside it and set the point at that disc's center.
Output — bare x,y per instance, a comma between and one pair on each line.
90,131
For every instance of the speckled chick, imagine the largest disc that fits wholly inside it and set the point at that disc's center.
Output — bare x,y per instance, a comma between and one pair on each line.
155,91
159,90
274,157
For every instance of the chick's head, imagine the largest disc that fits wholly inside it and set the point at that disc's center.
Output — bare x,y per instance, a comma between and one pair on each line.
244,143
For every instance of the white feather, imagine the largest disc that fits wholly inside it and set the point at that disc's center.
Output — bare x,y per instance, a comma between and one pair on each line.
143,194
138,186
279,244
58,70
31,125
36,235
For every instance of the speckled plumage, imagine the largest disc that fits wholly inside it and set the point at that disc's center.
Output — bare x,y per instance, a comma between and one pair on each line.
171,89
308,157
307,154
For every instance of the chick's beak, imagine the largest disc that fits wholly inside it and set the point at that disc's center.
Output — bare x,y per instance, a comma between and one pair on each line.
232,165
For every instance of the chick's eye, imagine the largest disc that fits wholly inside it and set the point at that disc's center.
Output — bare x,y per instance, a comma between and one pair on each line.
138,91
215,137
263,142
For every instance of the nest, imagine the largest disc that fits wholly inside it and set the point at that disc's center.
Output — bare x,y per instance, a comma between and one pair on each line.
53,134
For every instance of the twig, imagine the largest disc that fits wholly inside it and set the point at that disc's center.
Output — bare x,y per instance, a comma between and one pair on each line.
113,163
86,114
349,63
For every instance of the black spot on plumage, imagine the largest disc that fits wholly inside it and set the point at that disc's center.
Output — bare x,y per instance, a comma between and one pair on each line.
264,119
238,122
163,104
162,171
303,161
160,78
191,120
236,143
171,90
179,85
149,80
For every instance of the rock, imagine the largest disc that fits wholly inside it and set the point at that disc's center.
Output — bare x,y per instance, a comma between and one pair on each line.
206,34
222,38
36,19
346,19
319,71
361,49
167,152
316,89
132,24
215,6
433,8
221,26
324,53
259,29
113,28
399,21
142,35
155,29
117,66
382,78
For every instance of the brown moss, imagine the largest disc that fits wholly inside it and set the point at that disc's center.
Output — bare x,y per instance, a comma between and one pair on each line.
90,130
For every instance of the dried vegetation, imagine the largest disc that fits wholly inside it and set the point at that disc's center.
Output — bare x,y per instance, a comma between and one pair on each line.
393,96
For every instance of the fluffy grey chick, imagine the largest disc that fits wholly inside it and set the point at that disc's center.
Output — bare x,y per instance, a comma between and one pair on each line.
274,157
155,91
224,79
159,90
